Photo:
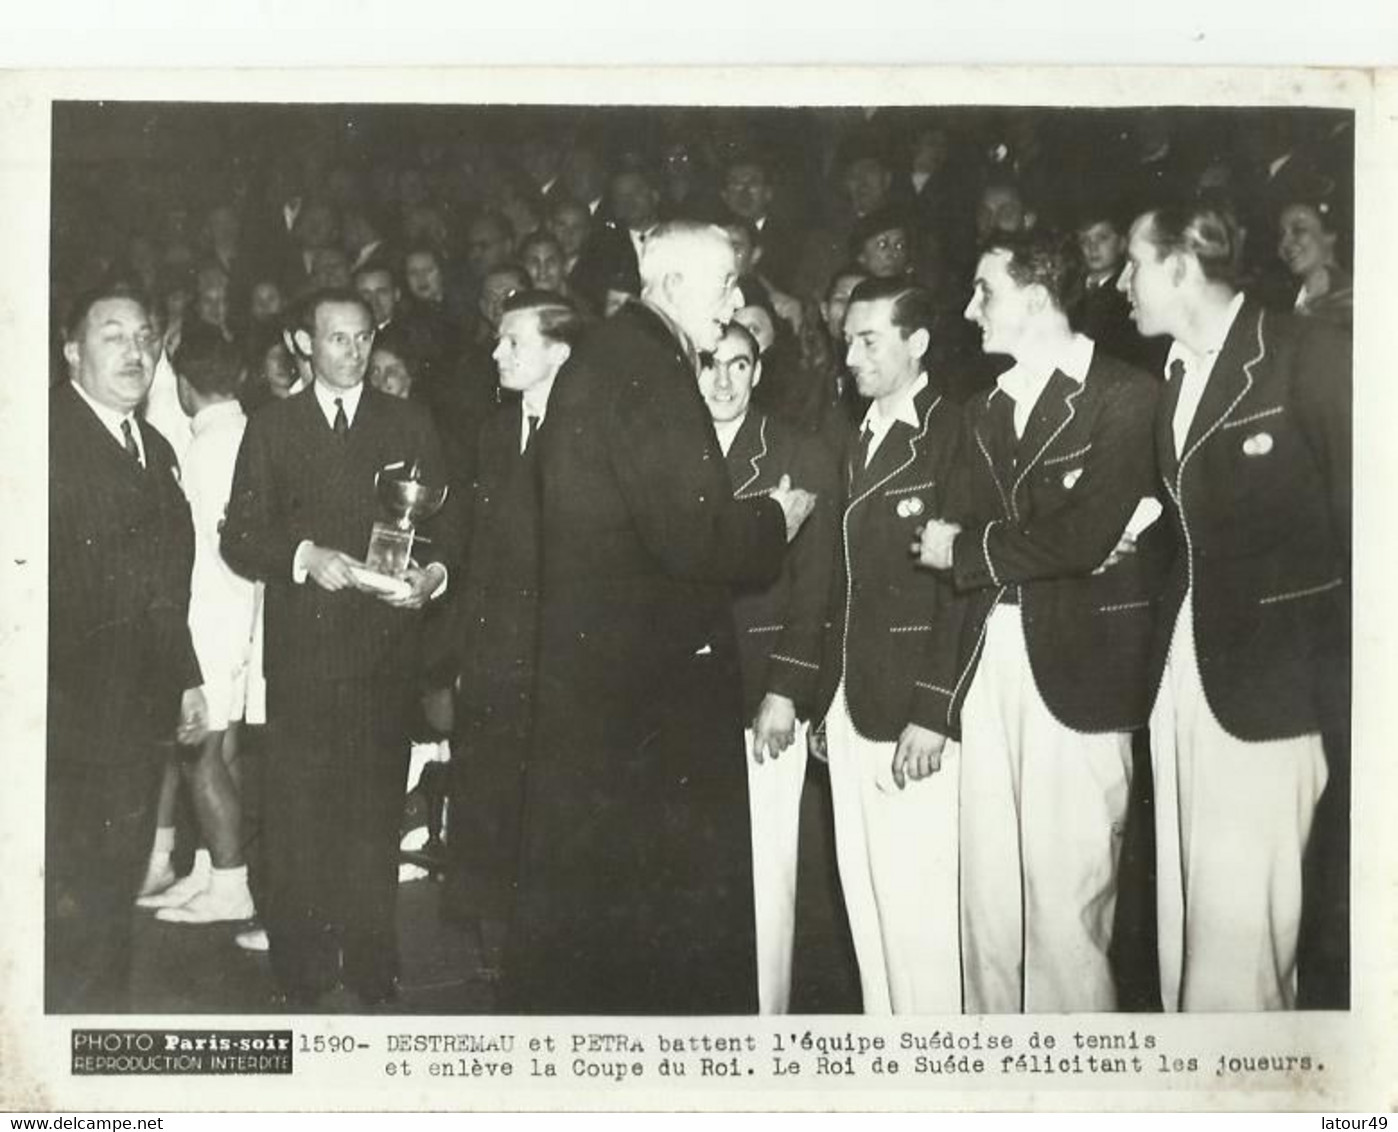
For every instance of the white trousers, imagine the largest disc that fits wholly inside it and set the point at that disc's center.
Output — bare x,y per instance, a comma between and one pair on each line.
896,851
1232,821
1043,809
774,802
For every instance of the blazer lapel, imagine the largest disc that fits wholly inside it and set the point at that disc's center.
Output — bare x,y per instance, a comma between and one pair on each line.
1052,413
995,443
745,454
1230,378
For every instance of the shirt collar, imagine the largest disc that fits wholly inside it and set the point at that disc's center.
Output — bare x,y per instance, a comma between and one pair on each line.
1025,380
903,408
211,416
1179,352
727,432
536,399
326,394
110,418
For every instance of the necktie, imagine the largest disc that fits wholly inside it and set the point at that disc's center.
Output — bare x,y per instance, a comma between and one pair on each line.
341,421
866,440
129,439
531,422
1177,370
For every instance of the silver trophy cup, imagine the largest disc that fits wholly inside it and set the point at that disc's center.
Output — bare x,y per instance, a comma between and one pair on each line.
407,500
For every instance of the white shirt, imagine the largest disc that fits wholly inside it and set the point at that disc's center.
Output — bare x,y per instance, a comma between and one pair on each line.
111,421
1197,368
326,395
727,431
878,420
535,400
222,604
1025,381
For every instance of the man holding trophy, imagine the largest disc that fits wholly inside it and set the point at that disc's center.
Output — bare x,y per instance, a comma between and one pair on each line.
336,469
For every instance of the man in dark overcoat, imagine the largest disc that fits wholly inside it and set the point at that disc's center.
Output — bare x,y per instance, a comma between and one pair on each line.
636,881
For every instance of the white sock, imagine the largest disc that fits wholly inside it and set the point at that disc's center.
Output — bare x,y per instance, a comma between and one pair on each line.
164,840
235,877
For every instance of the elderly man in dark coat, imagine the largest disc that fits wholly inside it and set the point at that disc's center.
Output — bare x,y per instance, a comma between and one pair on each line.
636,877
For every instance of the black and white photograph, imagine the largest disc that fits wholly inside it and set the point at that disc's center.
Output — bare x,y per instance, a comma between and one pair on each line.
885,561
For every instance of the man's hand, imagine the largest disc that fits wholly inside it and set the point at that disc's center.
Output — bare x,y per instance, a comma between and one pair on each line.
796,505
422,582
817,746
774,729
329,569
919,754
194,717
934,546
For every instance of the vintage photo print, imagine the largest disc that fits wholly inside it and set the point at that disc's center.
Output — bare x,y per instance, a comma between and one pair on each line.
696,588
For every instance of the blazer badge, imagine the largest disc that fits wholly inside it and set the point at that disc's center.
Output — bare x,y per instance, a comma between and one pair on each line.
909,508
1258,444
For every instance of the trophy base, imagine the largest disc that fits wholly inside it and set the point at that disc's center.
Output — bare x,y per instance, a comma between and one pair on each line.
390,550
383,583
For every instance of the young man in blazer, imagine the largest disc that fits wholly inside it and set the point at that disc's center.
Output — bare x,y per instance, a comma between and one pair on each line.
493,622
1048,676
895,832
341,657
123,677
1253,440
781,634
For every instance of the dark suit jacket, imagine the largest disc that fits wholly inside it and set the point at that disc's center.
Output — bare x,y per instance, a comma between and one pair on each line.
636,886
1261,499
889,610
782,627
121,547
1104,315
1039,516
294,480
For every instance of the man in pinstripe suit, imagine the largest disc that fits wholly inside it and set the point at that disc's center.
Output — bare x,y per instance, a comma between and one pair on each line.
341,658
123,675
1049,673
894,788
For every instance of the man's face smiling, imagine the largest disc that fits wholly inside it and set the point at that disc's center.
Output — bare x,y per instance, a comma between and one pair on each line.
727,384
113,357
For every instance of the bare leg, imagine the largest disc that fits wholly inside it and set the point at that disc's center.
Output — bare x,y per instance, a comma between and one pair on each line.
216,802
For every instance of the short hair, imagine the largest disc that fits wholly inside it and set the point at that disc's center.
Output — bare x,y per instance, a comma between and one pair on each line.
876,223
738,330
306,310
510,268
1207,231
422,249
537,237
559,320
913,308
849,270
375,265
209,362
733,220
1050,259
395,339
749,159
666,248
82,305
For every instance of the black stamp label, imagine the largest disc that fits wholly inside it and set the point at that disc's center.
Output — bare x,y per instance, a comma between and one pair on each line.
160,1053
